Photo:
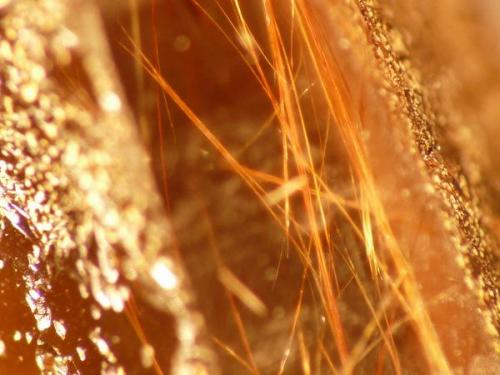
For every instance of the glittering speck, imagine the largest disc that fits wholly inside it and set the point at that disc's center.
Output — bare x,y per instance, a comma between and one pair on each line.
163,274
60,329
147,355
29,92
110,102
81,353
43,321
17,336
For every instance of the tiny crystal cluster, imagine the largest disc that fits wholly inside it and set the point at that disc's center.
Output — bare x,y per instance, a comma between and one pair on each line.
76,183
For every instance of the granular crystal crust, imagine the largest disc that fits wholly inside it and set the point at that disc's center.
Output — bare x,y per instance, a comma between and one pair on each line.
76,183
